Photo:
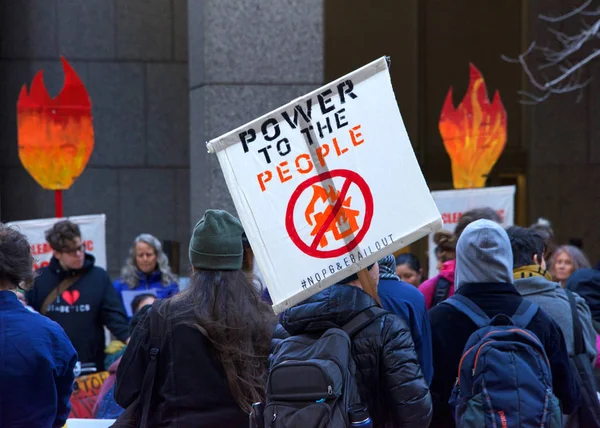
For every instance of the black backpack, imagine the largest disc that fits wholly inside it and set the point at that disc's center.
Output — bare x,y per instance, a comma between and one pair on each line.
588,414
137,414
442,289
312,381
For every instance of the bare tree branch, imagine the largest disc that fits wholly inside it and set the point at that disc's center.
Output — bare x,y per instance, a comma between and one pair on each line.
559,71
568,15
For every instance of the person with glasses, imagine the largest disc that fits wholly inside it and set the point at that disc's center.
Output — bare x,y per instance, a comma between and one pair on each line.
78,295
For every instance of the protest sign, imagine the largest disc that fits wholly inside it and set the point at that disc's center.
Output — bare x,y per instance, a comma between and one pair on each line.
93,236
85,394
89,423
453,203
129,295
315,184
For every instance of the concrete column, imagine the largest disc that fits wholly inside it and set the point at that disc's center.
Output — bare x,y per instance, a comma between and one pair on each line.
246,57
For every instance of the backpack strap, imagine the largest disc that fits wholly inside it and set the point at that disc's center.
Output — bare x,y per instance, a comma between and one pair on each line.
577,328
63,286
470,309
363,319
524,313
442,289
157,327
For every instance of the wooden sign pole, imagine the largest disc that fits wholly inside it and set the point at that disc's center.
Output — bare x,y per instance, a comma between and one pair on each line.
367,284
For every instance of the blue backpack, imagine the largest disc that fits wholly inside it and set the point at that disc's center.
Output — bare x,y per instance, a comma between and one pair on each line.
504,377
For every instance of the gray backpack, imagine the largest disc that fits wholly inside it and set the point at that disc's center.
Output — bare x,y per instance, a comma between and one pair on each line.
312,380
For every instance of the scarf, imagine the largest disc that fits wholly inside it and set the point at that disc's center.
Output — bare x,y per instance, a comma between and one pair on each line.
529,271
387,268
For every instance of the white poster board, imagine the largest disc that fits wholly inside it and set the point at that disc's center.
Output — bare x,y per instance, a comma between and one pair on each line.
315,184
93,235
89,423
453,203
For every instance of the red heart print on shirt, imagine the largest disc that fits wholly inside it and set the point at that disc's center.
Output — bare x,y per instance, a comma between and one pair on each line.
70,296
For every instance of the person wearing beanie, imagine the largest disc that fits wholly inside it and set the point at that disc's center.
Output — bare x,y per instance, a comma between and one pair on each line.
212,364
388,374
484,275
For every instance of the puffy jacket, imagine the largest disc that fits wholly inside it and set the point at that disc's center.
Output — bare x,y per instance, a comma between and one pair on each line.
389,377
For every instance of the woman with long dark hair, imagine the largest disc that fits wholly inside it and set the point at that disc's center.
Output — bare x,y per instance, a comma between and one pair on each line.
212,362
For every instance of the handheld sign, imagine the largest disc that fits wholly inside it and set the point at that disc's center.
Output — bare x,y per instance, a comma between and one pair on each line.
327,184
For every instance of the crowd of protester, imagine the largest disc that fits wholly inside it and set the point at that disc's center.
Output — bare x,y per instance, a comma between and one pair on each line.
206,356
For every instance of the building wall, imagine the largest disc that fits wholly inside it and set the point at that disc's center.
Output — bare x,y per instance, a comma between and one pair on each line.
249,57
554,147
132,56
564,145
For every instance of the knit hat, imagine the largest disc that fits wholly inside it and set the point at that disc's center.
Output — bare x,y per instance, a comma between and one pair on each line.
216,242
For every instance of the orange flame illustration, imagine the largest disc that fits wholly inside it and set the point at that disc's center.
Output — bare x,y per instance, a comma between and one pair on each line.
474,134
56,135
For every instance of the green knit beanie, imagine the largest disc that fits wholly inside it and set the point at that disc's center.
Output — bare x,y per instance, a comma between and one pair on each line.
216,242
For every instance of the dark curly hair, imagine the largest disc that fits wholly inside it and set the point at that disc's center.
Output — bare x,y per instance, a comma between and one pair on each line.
16,261
61,234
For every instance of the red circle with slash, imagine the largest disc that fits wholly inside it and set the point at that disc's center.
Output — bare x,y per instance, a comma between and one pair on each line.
351,177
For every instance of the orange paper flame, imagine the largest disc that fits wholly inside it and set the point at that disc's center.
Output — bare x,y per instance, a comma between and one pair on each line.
474,134
56,136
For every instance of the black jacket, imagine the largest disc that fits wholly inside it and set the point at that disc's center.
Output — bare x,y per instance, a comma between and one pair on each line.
389,377
190,388
451,330
82,311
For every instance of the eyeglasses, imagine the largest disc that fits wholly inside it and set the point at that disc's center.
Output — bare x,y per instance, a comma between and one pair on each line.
75,250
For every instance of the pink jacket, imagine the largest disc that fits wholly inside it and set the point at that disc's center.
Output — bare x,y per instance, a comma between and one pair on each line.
428,287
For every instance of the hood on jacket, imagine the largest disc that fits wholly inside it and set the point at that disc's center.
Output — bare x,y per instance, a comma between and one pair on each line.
586,283
88,263
332,307
483,255
529,286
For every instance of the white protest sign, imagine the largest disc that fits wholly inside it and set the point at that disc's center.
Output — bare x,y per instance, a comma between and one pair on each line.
453,203
315,184
89,423
93,235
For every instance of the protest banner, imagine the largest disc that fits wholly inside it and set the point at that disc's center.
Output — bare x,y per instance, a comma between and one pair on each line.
86,391
315,184
93,236
453,203
129,295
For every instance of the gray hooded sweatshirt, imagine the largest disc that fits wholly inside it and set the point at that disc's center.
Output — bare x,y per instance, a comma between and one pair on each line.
483,254
552,298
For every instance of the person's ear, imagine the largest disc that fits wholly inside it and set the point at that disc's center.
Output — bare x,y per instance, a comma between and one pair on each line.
536,260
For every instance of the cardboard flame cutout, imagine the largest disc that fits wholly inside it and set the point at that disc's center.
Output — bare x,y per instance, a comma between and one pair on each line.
56,135
474,134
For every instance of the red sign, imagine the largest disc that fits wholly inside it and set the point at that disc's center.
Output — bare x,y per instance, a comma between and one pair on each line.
85,395
340,217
